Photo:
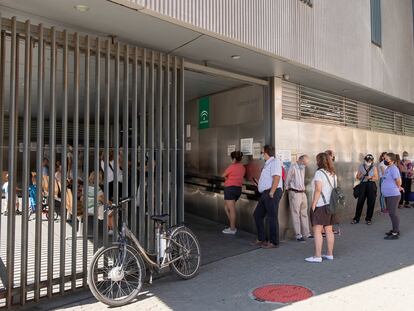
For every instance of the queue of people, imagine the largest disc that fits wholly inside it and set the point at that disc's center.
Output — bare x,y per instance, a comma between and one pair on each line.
70,191
393,175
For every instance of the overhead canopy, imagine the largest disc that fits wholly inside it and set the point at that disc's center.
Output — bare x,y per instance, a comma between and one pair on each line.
106,18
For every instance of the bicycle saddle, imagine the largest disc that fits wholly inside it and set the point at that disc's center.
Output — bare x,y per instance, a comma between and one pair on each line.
161,218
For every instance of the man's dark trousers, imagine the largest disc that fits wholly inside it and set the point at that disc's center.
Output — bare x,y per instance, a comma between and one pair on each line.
268,207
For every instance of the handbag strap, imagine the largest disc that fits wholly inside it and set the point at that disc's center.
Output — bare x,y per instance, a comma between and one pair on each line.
367,172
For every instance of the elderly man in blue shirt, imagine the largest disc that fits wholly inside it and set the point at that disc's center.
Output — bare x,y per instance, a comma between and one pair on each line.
270,186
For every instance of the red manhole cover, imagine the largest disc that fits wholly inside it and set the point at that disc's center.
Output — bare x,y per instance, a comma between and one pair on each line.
282,293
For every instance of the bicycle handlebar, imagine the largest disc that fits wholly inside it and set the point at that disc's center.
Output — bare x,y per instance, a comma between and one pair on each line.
120,204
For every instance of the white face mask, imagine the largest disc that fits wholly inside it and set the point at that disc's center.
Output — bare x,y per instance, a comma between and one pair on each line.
405,158
367,163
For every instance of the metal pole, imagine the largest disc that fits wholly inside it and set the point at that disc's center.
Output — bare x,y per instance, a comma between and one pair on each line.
86,163
134,158
116,140
52,158
2,103
166,139
39,158
11,202
143,148
125,127
150,165
75,162
63,183
174,123
97,158
159,130
26,162
106,134
181,142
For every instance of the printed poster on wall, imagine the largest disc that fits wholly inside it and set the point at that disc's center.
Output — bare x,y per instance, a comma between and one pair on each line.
257,149
230,149
246,146
285,156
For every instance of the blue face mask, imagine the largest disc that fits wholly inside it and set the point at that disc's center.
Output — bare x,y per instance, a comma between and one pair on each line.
302,166
261,157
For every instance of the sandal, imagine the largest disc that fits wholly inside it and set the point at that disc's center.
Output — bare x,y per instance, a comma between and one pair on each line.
354,222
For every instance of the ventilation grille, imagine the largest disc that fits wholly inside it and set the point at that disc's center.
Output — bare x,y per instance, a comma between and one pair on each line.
307,104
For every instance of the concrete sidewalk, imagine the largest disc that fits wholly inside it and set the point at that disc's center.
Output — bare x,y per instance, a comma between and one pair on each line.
368,273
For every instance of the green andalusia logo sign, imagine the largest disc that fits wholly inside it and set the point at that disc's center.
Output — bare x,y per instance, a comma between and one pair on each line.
204,113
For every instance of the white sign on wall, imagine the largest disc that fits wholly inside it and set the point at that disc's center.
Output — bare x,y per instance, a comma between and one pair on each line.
246,146
230,149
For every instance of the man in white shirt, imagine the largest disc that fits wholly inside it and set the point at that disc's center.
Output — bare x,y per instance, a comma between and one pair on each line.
298,202
270,186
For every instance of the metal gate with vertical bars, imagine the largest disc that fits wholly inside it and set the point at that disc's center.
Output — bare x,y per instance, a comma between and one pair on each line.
86,104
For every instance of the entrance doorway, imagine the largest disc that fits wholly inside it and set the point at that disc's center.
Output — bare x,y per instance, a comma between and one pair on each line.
220,114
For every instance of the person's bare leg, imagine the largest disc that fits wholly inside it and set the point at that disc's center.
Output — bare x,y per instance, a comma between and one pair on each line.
110,222
226,209
231,205
317,233
330,240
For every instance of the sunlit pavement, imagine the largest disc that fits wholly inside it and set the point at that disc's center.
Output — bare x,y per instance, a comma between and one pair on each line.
368,273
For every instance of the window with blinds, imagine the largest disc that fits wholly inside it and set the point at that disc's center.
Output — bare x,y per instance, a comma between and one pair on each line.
311,105
376,22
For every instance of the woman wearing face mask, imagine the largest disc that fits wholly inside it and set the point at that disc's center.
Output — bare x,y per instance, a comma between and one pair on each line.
233,177
406,176
391,188
367,175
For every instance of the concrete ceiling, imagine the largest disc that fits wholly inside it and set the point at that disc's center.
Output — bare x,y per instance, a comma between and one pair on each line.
106,18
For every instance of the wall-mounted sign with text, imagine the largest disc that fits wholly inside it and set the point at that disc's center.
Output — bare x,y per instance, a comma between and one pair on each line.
204,113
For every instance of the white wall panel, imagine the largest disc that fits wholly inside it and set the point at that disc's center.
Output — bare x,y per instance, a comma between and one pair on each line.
333,36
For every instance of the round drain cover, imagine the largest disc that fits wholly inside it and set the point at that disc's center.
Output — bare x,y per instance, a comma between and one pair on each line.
282,293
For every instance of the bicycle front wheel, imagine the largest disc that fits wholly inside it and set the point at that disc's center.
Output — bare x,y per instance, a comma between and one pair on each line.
116,275
185,253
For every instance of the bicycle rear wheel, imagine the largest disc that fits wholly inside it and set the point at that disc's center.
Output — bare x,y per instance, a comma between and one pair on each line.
116,275
185,253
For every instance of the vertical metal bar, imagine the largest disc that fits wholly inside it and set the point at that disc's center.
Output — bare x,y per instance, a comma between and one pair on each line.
26,163
11,202
134,158
39,158
143,148
75,161
125,127
159,146
116,139
180,199
86,162
166,139
106,134
269,110
63,181
52,160
150,165
174,122
2,103
97,123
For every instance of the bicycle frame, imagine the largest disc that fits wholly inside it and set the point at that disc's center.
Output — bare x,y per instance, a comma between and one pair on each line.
166,261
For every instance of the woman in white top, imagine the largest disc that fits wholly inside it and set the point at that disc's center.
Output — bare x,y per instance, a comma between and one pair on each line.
321,218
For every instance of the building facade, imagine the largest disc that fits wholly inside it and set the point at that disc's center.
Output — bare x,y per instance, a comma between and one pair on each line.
172,87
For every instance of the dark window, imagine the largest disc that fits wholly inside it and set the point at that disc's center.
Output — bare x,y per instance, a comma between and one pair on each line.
376,22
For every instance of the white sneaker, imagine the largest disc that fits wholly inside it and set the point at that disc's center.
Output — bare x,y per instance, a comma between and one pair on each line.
314,259
229,231
327,257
